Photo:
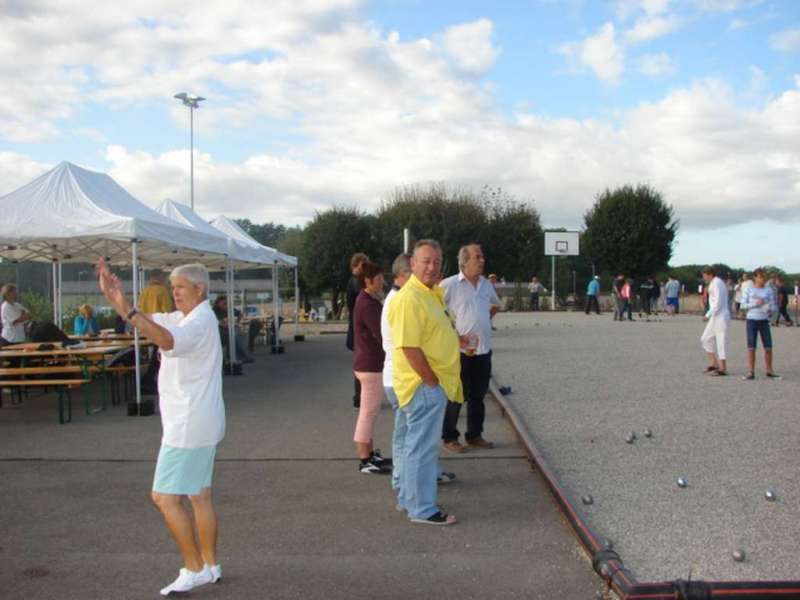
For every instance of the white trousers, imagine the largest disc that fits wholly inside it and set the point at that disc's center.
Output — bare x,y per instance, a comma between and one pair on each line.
715,336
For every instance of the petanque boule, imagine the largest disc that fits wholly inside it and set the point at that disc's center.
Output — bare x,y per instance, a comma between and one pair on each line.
587,499
739,555
682,482
630,437
770,495
648,433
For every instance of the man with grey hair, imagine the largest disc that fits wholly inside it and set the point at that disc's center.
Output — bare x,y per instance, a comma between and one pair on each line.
425,371
472,301
192,415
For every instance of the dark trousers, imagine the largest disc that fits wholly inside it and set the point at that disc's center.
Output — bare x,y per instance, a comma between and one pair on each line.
782,312
591,302
475,373
534,301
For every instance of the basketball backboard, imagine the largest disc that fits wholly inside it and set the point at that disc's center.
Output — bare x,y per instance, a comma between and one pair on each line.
562,243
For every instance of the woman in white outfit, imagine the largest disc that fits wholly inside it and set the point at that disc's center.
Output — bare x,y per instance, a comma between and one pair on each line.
192,415
715,335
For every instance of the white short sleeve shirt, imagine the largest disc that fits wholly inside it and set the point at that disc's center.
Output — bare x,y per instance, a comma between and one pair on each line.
190,379
470,306
10,312
386,339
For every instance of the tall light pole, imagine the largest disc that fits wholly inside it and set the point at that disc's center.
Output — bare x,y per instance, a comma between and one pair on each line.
192,102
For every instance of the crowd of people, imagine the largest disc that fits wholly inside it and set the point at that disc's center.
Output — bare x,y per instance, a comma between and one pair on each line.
426,347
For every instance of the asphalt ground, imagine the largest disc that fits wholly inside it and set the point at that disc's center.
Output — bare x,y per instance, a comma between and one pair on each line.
583,382
296,518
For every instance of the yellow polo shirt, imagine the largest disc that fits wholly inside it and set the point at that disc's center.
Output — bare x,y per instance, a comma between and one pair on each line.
418,319
155,298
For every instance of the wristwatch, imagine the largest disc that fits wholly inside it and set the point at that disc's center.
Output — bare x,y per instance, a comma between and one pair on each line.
131,314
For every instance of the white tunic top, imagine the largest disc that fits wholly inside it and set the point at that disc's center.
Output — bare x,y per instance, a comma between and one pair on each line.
190,379
471,308
10,312
386,339
718,300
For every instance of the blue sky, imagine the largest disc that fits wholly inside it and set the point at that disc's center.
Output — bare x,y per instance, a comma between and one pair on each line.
324,102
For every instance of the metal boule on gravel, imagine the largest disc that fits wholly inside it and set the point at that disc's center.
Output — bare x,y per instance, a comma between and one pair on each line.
682,482
648,433
587,499
629,439
739,555
608,544
770,495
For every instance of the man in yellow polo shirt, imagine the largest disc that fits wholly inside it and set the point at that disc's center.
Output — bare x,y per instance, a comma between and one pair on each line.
155,298
427,365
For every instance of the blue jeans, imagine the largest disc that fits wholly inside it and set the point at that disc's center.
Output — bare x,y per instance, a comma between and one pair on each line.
423,416
398,441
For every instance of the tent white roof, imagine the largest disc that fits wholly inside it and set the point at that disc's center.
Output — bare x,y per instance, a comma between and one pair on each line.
243,254
232,229
76,215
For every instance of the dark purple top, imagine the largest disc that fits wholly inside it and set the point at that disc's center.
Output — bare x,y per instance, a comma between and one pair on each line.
368,352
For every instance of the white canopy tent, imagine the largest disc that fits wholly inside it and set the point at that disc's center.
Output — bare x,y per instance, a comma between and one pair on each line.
71,214
232,229
241,254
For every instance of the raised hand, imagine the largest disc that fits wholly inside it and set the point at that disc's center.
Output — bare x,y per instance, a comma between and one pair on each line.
111,287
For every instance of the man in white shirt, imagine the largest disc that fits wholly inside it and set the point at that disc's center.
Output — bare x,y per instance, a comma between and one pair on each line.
715,335
471,301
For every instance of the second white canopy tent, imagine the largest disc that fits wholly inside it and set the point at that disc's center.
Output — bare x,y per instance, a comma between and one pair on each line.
243,252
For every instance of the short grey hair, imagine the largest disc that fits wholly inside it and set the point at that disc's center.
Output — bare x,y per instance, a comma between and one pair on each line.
6,290
401,265
196,273
464,254
428,242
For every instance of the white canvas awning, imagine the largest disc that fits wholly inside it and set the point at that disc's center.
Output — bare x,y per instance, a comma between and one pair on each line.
232,229
71,214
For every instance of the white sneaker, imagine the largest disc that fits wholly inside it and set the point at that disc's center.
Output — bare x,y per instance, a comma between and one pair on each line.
216,572
188,580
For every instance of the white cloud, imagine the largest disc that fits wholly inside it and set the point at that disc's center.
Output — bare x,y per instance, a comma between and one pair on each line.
787,40
651,27
656,65
600,52
372,111
626,8
470,45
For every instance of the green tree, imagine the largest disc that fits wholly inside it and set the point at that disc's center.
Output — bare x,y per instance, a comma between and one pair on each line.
513,240
268,234
630,230
453,217
329,241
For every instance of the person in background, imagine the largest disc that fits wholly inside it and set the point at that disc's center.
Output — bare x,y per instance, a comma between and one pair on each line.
759,302
646,291
85,323
616,294
626,293
672,292
747,282
592,294
13,315
730,285
737,297
192,416
220,309
368,359
783,303
155,297
352,292
493,280
471,301
536,288
715,335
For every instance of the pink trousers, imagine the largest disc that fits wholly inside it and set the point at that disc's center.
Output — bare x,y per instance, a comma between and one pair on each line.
371,397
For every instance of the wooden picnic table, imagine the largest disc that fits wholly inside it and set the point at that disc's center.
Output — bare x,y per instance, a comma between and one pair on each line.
30,349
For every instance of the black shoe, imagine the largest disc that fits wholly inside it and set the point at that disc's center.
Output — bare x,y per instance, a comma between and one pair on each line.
376,457
371,467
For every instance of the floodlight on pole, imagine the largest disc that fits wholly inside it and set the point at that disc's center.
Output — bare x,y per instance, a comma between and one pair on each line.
192,102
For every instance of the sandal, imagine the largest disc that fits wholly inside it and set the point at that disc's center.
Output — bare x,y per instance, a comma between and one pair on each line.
749,377
718,373
774,376
437,518
709,370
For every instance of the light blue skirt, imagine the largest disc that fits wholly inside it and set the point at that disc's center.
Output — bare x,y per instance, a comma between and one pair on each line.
184,471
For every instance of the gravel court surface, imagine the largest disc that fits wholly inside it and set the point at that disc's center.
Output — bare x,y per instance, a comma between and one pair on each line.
583,382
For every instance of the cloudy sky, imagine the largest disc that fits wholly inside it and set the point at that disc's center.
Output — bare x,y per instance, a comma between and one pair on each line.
313,103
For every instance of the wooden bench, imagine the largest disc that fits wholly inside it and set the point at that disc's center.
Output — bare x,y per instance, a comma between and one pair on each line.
64,386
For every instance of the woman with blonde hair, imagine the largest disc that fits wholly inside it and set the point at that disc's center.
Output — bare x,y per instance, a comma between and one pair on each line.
85,323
